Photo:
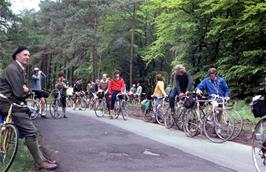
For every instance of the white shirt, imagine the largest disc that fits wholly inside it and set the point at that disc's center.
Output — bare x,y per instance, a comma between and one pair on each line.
22,67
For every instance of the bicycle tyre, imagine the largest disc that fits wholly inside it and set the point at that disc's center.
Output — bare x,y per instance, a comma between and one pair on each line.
258,146
117,109
210,129
54,109
168,119
159,113
99,108
191,123
238,123
36,108
10,132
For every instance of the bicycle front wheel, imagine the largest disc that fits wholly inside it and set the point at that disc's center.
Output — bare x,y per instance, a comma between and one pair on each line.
159,117
55,110
259,146
36,108
168,119
9,146
100,108
191,123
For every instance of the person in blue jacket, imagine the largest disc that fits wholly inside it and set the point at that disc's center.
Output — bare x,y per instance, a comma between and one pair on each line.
214,85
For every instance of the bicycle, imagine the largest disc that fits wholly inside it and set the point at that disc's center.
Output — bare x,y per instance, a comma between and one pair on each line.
155,112
120,106
9,136
100,106
56,104
36,105
209,118
258,106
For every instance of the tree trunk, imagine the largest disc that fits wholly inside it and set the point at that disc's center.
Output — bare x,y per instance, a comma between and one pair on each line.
132,46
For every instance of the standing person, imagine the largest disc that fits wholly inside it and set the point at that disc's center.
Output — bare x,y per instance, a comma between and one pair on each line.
37,77
138,92
13,86
61,85
104,83
116,85
182,83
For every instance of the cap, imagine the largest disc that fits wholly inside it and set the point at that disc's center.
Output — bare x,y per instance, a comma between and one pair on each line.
35,69
19,49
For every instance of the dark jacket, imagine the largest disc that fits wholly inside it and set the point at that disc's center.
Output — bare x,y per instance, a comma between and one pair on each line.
189,85
12,81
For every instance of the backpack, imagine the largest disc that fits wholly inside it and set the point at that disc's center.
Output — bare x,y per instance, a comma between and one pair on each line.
258,106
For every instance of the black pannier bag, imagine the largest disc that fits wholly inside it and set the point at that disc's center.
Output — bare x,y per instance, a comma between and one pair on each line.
258,106
190,101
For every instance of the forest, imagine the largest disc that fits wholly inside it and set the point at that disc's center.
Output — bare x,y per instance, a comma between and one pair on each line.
86,38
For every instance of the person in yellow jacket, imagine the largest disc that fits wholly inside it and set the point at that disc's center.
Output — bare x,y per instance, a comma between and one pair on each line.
159,88
159,93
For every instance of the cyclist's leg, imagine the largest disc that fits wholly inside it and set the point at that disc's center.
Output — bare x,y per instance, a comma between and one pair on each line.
63,101
172,96
28,130
113,99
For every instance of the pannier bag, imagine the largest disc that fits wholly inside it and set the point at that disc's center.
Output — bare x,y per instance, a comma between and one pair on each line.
145,104
190,101
258,106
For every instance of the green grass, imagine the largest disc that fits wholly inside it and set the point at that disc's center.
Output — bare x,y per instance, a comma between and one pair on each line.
23,161
244,110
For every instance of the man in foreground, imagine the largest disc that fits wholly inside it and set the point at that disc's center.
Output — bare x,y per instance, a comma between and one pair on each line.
13,85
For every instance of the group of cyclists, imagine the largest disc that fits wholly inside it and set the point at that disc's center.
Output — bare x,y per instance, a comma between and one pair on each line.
13,86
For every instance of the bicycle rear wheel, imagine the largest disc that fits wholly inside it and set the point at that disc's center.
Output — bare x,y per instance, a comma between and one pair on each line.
259,146
238,122
9,146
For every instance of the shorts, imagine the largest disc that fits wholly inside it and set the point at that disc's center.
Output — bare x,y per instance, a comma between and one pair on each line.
40,93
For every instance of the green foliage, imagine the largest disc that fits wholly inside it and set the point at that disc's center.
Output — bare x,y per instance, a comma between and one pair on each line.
86,38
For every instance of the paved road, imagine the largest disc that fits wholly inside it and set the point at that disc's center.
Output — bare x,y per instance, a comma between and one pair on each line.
83,143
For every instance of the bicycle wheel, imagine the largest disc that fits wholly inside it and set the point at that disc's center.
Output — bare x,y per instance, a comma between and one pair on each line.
36,109
117,109
259,146
100,108
54,108
218,130
168,119
83,104
159,117
9,146
238,122
149,115
191,123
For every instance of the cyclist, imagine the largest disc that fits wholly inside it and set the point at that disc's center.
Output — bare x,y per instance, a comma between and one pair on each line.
214,85
37,77
61,85
77,88
12,85
182,84
104,87
116,86
159,91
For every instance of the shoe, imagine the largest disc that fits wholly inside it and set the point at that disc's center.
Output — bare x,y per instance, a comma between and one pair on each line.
51,162
43,115
65,116
46,166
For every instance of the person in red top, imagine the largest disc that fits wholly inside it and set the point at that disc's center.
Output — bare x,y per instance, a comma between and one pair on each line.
116,85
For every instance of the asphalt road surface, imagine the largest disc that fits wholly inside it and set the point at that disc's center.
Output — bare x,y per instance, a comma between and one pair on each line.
83,143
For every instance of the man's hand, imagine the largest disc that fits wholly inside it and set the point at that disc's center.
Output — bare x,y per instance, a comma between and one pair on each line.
25,89
199,92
